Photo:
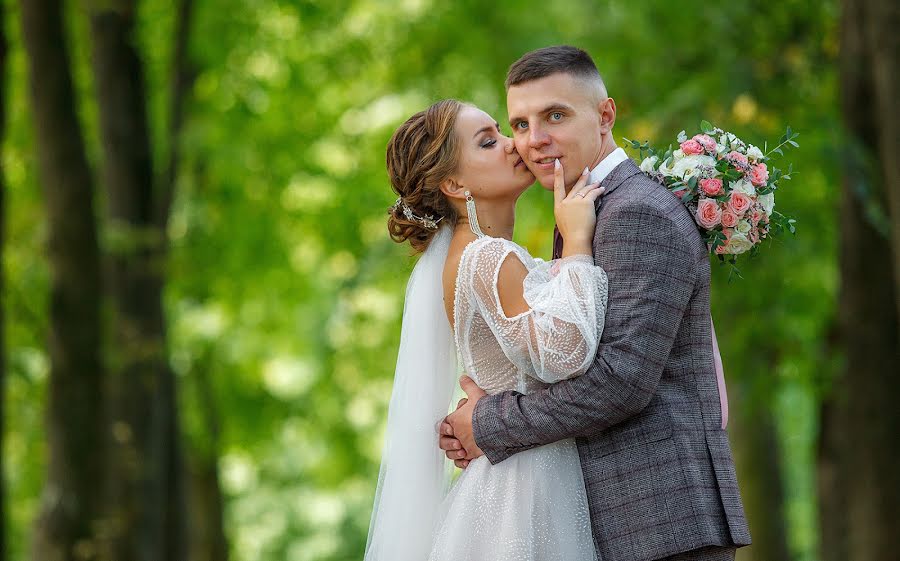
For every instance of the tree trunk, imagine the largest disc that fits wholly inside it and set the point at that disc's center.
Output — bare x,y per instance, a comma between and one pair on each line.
146,494
208,542
65,528
180,83
882,49
3,74
860,455
759,462
832,483
179,513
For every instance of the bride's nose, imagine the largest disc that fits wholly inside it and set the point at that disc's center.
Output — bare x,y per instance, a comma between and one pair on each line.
510,146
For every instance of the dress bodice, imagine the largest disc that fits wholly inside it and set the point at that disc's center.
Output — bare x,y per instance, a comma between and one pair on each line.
556,338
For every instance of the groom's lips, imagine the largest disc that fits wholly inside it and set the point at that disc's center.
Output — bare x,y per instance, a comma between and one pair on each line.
548,166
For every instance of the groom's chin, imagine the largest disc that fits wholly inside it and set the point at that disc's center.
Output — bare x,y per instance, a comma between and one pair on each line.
546,183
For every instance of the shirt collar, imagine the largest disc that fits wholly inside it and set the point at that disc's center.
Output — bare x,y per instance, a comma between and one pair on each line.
607,164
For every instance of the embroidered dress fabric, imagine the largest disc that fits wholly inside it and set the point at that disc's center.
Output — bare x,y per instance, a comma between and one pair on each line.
532,506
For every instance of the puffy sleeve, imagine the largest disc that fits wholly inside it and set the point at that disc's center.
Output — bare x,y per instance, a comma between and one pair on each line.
557,337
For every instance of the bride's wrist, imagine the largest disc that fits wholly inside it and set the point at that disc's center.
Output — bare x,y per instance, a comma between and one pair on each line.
577,247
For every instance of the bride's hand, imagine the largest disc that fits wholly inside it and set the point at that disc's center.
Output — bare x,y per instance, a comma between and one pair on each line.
575,212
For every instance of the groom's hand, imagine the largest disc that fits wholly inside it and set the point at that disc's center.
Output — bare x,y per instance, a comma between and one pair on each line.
450,445
461,420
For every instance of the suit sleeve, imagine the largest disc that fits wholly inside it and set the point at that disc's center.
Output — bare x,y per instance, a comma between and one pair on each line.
651,273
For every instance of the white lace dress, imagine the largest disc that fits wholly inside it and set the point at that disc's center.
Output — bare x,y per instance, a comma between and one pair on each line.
533,505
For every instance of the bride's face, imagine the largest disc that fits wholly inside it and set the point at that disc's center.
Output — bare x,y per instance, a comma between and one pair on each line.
489,165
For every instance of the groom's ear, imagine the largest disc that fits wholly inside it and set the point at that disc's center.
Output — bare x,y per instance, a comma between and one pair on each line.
607,110
452,189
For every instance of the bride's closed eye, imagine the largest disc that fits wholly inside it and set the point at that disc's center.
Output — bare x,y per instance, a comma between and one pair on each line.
489,143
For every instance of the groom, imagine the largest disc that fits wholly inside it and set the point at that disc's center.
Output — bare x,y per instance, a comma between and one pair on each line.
647,415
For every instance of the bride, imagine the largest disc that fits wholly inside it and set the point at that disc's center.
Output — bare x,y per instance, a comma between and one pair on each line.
514,321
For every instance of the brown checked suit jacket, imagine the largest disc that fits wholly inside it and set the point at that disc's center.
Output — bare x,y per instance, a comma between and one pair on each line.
657,465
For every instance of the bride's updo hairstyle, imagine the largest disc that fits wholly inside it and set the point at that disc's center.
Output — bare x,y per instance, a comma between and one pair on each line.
421,154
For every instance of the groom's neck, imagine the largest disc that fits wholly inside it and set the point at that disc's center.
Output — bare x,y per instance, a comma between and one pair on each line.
607,147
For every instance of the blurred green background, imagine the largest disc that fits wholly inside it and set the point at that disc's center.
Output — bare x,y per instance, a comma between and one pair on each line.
283,292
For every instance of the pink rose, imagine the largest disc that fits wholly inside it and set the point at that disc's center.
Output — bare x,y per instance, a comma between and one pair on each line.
711,187
756,216
754,236
723,249
708,213
691,147
706,142
737,158
739,203
729,219
759,175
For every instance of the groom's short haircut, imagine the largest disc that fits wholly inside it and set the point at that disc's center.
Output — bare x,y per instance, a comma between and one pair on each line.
552,60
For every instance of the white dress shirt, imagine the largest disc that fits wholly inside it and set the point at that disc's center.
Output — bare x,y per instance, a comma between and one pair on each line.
607,164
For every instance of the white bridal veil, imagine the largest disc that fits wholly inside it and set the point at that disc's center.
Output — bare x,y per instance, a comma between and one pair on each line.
415,475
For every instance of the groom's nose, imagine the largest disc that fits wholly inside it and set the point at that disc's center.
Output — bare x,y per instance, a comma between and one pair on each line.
537,137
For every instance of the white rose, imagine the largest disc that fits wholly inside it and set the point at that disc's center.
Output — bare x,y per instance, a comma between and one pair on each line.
730,141
677,154
689,166
754,153
665,170
743,227
738,244
649,163
745,187
768,202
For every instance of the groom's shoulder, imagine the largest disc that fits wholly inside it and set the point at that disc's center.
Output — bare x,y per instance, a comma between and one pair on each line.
643,200
642,192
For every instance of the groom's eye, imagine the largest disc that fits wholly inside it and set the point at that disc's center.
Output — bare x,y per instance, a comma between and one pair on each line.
556,116
521,125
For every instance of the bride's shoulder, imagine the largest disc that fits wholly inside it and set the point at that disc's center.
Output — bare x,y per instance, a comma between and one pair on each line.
488,256
488,245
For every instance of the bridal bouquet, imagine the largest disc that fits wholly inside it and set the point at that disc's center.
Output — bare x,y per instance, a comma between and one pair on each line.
726,184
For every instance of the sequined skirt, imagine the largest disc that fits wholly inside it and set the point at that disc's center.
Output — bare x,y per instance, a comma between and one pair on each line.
529,507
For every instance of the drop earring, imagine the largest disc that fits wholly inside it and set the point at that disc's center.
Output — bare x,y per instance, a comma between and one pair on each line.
473,218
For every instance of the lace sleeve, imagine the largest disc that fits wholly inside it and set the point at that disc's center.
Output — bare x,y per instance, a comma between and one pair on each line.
557,337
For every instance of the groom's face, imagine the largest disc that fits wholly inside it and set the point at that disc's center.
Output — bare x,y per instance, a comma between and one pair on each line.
558,116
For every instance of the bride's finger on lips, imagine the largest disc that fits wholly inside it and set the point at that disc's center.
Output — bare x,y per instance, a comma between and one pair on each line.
559,182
